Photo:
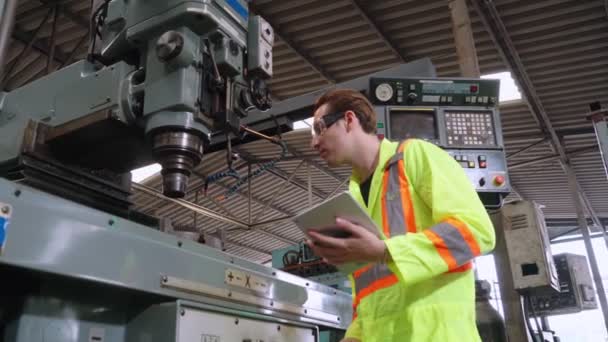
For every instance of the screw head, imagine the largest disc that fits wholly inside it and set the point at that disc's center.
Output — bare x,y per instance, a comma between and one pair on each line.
182,312
5,210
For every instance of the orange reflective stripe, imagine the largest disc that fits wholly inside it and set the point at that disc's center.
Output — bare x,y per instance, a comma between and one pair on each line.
442,249
375,286
463,268
362,270
406,200
385,219
466,235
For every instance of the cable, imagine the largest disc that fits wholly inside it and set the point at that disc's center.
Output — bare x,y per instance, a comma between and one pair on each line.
527,319
97,20
536,322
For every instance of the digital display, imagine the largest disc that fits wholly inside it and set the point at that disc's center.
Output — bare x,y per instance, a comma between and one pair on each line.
405,124
470,128
448,87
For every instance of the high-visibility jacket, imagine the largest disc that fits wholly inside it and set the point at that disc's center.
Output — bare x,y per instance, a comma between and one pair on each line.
433,224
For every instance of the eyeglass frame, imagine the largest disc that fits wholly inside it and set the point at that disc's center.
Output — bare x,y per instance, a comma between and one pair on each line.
328,120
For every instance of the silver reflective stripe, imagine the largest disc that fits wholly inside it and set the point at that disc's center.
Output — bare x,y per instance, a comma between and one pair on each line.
394,159
456,244
378,271
394,203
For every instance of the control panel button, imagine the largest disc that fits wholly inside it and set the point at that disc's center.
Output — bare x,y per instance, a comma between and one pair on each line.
499,180
481,158
483,164
471,165
412,87
380,136
482,181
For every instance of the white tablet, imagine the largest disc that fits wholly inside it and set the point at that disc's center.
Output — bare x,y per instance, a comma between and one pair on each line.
322,217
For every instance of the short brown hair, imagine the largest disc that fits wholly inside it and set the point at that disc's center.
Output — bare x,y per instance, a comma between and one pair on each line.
341,100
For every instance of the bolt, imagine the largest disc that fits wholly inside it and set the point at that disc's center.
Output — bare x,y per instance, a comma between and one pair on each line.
6,210
236,321
179,243
111,222
169,45
165,279
17,193
182,312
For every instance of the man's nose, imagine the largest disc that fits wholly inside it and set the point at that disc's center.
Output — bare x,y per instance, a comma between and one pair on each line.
314,142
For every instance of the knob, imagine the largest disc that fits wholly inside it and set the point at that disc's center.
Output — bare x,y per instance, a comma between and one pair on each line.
411,97
169,45
482,181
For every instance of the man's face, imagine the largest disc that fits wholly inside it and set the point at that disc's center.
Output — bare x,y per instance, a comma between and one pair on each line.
330,136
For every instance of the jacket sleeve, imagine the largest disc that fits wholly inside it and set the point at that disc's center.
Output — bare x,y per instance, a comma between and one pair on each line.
461,228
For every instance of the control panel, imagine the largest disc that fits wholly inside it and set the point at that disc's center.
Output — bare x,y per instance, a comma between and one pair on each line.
459,115
434,92
576,292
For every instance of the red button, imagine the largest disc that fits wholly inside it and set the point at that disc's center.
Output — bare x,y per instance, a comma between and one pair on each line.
499,180
482,165
380,136
474,89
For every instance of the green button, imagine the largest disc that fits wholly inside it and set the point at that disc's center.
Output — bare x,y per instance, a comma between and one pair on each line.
380,124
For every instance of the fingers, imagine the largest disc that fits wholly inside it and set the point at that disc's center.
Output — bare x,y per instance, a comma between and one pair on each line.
326,241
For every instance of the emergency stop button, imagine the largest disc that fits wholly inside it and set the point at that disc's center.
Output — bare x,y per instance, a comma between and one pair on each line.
499,180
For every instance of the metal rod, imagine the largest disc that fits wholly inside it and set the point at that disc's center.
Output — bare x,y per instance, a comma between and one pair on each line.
309,185
527,148
74,51
188,205
49,62
271,221
8,9
276,194
258,134
552,157
582,222
338,187
575,238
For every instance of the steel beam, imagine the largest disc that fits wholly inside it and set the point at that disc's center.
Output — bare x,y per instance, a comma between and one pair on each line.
463,38
49,62
390,43
526,149
26,49
584,228
39,44
83,22
7,20
291,45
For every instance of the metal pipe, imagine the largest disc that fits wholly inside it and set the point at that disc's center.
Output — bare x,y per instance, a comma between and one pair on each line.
7,20
582,222
188,205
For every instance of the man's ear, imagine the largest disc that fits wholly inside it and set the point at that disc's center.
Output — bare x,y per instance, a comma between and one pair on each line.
350,119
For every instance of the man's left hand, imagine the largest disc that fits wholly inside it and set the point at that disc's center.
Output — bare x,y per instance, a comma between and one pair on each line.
360,246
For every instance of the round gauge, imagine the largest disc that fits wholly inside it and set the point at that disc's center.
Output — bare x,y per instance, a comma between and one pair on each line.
384,92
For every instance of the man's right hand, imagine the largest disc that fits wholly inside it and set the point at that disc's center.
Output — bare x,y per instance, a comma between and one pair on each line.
350,340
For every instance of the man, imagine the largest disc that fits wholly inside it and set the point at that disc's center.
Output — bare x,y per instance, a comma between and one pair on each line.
418,284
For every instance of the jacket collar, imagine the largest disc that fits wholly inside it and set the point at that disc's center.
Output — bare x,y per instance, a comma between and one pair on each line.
387,150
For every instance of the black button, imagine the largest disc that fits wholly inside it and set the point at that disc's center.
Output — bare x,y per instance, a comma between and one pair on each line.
482,181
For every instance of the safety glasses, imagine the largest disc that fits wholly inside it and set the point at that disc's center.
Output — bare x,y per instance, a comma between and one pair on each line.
323,123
